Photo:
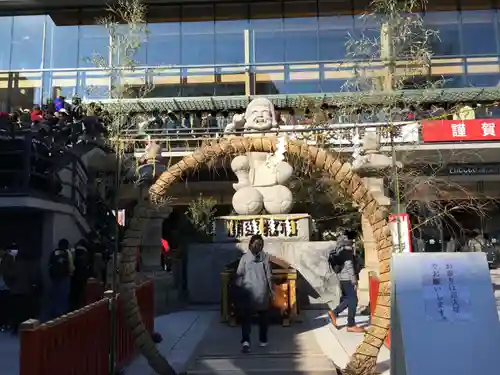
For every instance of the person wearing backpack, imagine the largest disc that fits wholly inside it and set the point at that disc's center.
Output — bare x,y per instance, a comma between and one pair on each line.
343,262
80,275
61,268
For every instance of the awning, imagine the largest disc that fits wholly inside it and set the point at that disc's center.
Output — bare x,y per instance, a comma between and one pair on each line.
218,103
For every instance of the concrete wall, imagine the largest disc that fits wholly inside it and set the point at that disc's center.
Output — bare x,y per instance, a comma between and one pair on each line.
317,284
57,225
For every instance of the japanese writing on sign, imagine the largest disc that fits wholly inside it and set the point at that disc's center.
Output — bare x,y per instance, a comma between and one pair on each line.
446,295
459,130
488,129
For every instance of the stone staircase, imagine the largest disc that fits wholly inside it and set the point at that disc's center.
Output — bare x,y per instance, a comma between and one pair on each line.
291,350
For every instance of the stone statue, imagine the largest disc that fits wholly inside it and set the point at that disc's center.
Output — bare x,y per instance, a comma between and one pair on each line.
261,176
370,165
149,165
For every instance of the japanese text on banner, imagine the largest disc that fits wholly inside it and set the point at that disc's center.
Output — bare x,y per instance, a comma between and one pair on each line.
446,295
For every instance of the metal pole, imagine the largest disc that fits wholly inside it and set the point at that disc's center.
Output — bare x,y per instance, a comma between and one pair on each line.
396,188
116,248
112,354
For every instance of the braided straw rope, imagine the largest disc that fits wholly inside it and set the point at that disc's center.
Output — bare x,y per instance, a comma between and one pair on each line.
364,359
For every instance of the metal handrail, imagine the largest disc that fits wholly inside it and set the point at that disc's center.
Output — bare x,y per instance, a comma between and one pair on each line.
202,134
215,66
23,186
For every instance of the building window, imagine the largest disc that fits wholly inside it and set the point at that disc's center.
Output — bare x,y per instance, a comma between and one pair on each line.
231,21
6,33
301,39
132,53
61,42
27,42
334,33
230,42
300,29
478,33
447,41
483,80
266,23
164,44
198,37
93,45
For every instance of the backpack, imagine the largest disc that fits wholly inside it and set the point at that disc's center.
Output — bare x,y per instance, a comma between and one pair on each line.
59,265
82,264
334,261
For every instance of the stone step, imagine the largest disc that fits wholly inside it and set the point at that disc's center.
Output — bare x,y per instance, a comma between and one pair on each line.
264,364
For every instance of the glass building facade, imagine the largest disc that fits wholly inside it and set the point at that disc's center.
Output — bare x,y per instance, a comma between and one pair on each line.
271,47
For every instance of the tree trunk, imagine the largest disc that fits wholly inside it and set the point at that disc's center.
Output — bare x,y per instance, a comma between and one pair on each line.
364,359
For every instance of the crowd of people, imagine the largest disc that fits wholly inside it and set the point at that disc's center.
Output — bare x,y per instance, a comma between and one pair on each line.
213,122
50,132
60,123
23,285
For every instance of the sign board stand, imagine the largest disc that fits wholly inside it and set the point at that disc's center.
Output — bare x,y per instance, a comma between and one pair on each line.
444,315
399,224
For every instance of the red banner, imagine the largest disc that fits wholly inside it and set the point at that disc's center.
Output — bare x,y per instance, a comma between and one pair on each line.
455,130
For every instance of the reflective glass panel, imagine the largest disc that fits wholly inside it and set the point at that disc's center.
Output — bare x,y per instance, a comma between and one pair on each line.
27,42
61,45
198,43
334,33
133,52
230,41
364,42
483,80
478,32
447,42
301,39
6,33
164,44
268,40
93,45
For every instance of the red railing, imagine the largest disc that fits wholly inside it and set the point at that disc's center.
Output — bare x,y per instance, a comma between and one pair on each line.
373,286
79,343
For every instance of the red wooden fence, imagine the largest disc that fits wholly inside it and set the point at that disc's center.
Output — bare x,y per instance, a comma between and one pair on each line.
94,291
373,286
79,343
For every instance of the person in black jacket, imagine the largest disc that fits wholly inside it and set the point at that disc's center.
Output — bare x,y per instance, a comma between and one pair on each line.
6,280
81,274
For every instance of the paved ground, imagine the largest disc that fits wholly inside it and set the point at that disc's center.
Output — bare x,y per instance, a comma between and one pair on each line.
9,354
292,350
195,340
182,333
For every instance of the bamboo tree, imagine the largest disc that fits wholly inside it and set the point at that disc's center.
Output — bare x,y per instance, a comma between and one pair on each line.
125,23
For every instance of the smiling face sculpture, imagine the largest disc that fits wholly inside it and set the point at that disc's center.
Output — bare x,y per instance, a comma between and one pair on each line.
260,186
260,115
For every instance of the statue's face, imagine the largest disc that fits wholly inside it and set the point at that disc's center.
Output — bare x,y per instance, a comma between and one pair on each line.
259,118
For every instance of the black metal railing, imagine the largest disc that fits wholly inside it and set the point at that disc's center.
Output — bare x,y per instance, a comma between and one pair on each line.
29,167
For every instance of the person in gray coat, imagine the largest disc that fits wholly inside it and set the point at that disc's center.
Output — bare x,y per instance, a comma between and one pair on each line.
253,278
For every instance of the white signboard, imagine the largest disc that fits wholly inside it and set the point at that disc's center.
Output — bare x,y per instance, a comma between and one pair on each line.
343,134
444,315
446,293
399,224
